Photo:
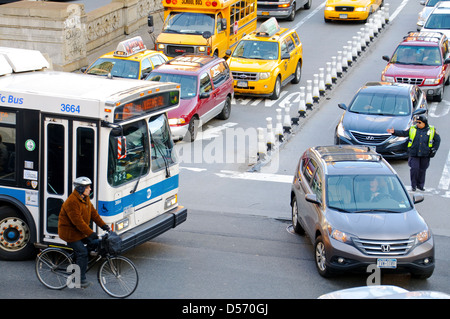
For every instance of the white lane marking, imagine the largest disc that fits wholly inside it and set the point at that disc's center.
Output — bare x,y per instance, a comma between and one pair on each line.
263,177
444,182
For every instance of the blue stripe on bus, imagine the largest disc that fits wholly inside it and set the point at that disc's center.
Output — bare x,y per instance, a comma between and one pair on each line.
18,194
111,208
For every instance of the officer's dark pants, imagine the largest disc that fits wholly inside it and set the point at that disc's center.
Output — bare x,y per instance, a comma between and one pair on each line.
418,167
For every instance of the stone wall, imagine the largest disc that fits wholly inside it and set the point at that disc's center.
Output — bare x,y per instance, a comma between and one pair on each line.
66,33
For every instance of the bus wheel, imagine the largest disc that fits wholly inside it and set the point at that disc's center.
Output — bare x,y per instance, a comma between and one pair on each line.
15,236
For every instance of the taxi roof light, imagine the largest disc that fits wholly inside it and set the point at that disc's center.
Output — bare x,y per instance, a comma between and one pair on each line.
268,28
129,47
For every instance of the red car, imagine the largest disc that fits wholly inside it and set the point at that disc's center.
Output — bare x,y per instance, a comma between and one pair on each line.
422,58
206,87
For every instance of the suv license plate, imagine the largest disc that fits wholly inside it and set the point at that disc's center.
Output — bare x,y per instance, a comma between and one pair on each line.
387,263
242,84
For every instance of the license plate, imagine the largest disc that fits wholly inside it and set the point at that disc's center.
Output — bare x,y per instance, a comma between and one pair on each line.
387,263
343,16
265,13
242,84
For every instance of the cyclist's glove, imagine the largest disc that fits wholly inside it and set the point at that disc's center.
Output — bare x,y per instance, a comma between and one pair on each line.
93,236
106,228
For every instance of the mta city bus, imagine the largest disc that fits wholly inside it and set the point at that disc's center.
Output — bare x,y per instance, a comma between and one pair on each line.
204,26
57,126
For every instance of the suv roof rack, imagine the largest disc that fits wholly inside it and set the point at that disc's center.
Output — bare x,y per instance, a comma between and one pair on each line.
424,36
339,153
191,60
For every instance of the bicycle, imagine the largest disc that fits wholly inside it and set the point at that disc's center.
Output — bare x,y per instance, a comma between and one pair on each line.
117,275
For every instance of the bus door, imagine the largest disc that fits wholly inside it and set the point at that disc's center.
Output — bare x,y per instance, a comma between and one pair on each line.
70,151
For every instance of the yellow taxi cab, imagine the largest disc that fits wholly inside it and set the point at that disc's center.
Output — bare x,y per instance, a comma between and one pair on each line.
130,60
266,60
350,9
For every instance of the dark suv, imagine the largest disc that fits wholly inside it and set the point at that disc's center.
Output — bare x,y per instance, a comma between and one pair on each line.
206,87
422,58
376,107
356,211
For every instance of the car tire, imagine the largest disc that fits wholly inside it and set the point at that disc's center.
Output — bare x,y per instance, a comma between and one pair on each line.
297,74
307,5
192,131
276,89
291,17
320,258
226,111
295,223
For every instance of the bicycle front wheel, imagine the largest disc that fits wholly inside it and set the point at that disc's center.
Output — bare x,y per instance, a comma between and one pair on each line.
52,268
118,276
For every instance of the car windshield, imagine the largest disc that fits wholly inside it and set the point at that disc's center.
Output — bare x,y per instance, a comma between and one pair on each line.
189,23
117,67
417,55
366,193
380,104
438,21
263,50
188,83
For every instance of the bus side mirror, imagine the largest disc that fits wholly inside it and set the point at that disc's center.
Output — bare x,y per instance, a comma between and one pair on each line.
121,147
150,24
224,24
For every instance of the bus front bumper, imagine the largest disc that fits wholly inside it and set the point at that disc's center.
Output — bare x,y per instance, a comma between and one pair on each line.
153,228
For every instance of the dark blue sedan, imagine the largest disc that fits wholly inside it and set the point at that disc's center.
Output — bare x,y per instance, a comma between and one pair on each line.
376,107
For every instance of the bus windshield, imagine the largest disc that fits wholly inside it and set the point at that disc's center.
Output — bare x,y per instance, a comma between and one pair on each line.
189,23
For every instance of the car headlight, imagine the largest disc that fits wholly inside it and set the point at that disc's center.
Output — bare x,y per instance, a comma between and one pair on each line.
264,75
341,131
421,237
432,81
398,139
338,235
179,121
329,8
385,78
362,9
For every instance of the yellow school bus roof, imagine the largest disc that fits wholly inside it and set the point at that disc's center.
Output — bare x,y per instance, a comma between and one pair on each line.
198,4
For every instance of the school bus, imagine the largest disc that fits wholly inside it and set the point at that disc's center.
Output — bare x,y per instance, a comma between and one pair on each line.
204,26
57,126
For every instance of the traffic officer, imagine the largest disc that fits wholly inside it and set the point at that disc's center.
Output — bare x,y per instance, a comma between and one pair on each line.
423,143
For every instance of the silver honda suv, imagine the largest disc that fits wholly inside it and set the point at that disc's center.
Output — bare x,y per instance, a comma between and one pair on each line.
356,211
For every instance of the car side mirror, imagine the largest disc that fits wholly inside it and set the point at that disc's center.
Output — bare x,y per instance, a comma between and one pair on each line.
342,106
419,111
447,61
204,95
418,198
285,56
386,58
312,198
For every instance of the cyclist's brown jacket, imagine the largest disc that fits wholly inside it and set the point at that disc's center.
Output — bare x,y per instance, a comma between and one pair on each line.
74,218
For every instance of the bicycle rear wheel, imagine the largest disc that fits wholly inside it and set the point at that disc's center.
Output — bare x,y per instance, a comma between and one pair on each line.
118,276
51,268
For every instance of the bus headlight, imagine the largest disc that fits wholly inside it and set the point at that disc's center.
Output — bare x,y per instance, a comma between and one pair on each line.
161,47
171,201
121,224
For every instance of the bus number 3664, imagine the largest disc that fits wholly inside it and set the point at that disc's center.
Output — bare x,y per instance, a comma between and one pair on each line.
70,108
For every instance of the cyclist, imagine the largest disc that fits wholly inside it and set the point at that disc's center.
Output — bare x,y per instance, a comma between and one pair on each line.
73,224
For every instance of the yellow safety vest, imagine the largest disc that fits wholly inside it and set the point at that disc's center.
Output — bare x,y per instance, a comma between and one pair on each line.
412,135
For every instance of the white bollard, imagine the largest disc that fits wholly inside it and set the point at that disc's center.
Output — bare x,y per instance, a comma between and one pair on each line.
309,98
270,138
362,35
358,43
339,64
279,127
386,12
344,59
316,93
322,83
373,26
367,33
354,50
349,53
328,81
302,103
333,72
287,127
261,147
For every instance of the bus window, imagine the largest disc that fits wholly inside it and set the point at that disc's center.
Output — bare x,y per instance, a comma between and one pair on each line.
85,153
7,152
163,154
56,160
135,163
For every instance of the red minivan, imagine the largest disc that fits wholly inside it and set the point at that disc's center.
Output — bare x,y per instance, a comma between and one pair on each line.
206,91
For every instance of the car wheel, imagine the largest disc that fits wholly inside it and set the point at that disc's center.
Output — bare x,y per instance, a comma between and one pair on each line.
307,5
321,258
226,111
292,15
276,89
295,223
298,73
192,129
